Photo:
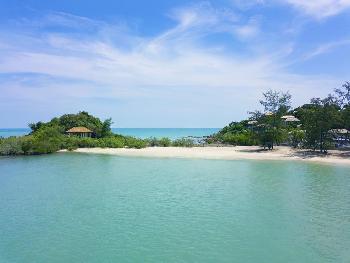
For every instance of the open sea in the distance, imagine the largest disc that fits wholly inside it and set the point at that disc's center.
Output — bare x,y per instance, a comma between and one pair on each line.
172,133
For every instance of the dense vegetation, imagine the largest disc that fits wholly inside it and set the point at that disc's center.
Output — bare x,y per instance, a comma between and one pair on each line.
50,137
310,129
82,119
268,128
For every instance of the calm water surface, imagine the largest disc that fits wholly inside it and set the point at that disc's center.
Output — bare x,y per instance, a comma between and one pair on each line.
99,208
172,133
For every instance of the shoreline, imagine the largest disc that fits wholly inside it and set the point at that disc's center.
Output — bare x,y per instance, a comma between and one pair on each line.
282,153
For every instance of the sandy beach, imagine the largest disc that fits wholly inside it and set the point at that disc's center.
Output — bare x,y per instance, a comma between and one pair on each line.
227,153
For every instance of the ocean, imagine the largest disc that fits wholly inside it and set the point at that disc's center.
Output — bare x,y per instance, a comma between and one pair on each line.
172,133
70,207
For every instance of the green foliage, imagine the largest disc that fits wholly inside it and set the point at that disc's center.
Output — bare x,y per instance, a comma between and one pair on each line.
162,142
47,139
132,142
165,142
276,102
271,127
11,146
238,138
183,142
114,141
235,127
343,95
345,115
296,137
82,119
236,133
111,142
318,118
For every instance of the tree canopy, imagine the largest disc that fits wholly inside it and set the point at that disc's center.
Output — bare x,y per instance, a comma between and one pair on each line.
65,122
310,127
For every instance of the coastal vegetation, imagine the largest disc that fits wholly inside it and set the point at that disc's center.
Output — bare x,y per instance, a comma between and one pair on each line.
51,136
313,125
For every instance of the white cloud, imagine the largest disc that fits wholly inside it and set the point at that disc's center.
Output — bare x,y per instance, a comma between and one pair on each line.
176,67
326,48
320,8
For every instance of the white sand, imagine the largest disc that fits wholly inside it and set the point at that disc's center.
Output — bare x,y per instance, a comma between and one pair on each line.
226,153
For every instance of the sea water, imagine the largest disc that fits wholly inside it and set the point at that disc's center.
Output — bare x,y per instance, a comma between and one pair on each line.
70,207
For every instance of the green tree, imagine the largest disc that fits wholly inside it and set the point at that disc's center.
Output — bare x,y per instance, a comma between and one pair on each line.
65,122
270,129
318,118
46,140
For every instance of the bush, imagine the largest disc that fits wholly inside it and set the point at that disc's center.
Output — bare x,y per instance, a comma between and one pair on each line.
163,142
132,142
296,137
153,141
183,142
46,140
11,146
238,139
111,142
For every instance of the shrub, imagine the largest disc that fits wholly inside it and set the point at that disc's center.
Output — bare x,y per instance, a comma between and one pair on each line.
183,142
11,146
132,142
111,142
46,140
238,139
163,142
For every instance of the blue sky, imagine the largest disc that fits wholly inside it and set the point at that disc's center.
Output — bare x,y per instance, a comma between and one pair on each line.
166,63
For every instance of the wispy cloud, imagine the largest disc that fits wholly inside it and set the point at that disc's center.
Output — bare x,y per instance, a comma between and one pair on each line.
326,48
320,8
180,66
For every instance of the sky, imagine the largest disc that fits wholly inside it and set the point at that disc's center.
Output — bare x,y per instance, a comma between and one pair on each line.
167,63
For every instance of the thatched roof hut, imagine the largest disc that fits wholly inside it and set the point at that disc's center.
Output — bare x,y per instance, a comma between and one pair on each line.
80,131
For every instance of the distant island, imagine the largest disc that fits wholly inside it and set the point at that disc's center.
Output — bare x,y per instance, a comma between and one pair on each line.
321,125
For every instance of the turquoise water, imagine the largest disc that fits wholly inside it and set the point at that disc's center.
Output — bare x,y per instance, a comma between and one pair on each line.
13,132
172,133
99,208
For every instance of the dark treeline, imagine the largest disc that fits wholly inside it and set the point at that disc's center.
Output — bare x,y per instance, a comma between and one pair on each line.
311,125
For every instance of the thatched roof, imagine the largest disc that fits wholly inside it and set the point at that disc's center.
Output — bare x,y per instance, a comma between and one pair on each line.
79,130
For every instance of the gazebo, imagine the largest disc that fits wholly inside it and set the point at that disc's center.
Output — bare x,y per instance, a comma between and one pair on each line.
80,132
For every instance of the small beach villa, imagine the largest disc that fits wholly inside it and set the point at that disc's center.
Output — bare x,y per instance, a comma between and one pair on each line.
80,132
